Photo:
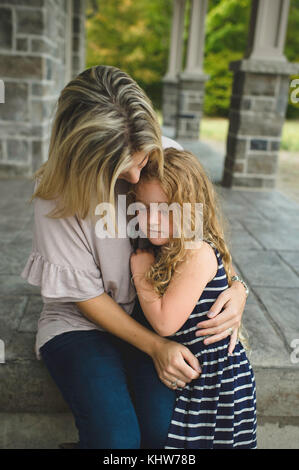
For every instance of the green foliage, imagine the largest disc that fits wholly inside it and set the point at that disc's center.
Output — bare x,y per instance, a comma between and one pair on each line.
226,39
292,38
134,36
218,87
226,26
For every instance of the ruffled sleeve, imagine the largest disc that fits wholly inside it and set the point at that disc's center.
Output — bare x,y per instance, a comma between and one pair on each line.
60,283
61,261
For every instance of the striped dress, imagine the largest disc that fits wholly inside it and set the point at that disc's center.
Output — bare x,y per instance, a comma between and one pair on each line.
217,410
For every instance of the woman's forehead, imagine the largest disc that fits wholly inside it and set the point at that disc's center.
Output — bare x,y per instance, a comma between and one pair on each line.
150,191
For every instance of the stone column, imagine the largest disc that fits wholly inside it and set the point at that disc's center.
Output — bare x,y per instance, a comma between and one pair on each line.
78,42
259,100
33,58
170,80
192,80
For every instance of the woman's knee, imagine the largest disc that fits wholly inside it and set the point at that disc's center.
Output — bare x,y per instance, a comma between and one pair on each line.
93,382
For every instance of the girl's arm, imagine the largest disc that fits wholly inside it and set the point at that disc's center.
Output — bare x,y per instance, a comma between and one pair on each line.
168,313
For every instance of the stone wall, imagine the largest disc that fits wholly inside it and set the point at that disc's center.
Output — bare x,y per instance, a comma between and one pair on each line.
78,40
190,106
34,43
256,117
170,102
183,105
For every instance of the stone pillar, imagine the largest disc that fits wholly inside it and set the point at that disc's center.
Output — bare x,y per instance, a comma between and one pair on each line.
267,31
33,58
259,100
170,80
192,80
78,42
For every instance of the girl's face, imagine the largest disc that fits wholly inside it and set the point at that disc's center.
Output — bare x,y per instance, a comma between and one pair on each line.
132,174
155,224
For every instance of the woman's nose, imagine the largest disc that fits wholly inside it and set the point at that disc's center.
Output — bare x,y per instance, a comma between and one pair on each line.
133,176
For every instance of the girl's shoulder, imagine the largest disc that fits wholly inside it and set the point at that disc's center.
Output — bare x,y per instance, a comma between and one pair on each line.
206,255
220,277
213,248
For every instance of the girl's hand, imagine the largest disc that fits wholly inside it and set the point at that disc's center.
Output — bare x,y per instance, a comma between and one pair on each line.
232,301
174,362
141,260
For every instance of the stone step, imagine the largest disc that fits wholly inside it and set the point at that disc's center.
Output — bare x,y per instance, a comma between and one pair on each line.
50,430
26,385
36,430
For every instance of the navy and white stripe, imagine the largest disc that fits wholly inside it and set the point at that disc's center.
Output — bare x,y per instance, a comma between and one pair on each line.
217,410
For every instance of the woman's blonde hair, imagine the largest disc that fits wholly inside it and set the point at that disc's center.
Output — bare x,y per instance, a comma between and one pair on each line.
185,181
102,118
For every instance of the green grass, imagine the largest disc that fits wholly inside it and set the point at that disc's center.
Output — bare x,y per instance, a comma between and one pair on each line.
214,129
290,136
217,128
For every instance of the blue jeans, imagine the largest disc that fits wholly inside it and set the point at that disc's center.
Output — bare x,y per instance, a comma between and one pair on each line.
112,389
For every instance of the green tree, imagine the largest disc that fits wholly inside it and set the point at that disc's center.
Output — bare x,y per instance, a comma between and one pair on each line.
132,35
226,38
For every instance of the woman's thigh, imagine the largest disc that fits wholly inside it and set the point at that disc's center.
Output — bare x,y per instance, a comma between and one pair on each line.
88,368
154,402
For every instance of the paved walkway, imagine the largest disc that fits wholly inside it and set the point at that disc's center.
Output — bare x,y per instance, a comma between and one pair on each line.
264,243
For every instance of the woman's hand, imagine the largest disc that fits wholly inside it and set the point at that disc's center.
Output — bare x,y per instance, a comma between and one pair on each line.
141,260
170,362
232,301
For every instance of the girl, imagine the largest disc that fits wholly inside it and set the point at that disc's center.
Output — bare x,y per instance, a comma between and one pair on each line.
176,287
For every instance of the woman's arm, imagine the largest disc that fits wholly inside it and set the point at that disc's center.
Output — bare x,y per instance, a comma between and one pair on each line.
168,313
119,323
169,356
225,313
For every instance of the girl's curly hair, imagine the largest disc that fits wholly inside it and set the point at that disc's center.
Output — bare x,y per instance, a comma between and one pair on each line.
185,181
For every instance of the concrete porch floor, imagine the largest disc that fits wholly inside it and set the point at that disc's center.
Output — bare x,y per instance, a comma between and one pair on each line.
264,244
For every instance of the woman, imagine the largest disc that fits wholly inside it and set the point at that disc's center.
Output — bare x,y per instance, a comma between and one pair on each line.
117,375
